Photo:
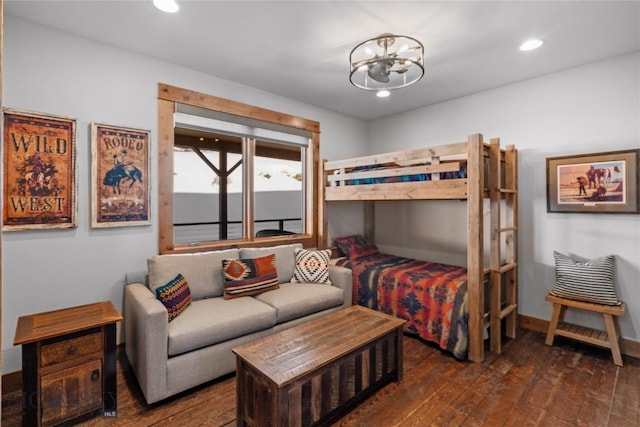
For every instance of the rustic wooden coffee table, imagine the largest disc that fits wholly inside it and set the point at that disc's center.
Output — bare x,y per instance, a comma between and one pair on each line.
314,373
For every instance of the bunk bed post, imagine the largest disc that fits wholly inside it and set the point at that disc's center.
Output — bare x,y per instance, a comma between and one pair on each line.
495,281
511,183
322,219
503,274
475,253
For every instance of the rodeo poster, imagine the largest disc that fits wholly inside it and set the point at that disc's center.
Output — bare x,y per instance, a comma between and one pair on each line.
39,171
120,176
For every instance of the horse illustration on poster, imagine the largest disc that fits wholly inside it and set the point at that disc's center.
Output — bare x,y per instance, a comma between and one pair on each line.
38,171
120,165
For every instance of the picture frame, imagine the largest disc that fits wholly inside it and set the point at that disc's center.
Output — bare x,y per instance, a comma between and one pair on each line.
606,182
39,171
120,171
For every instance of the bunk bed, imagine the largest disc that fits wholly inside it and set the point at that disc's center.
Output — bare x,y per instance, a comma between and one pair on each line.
471,170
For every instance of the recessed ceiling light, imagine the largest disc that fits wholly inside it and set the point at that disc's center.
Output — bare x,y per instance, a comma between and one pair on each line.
383,93
531,44
169,6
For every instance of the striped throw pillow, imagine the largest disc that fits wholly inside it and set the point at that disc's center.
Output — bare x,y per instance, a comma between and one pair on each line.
175,296
590,281
243,277
312,266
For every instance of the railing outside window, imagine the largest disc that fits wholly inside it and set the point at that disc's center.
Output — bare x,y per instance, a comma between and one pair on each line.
195,232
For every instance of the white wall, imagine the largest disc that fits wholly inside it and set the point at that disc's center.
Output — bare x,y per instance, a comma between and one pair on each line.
588,109
52,72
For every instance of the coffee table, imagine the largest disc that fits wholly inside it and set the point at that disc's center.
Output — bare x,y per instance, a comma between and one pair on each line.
314,373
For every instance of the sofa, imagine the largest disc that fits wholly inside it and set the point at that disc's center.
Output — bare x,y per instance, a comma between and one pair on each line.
168,357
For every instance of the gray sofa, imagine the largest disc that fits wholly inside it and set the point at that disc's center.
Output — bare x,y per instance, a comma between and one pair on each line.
195,347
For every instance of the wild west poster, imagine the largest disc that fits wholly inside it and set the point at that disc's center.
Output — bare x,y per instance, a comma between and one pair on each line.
39,171
120,176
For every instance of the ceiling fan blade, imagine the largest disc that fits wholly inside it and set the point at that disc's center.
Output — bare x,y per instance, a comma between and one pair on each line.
380,71
409,49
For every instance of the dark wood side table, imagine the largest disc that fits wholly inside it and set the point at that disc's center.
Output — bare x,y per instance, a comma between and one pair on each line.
68,363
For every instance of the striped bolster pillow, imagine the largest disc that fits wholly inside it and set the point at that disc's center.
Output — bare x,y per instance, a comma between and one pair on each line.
590,281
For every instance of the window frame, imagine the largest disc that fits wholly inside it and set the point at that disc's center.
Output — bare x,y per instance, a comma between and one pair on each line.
315,218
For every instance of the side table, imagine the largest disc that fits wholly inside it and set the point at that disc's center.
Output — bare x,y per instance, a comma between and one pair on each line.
68,363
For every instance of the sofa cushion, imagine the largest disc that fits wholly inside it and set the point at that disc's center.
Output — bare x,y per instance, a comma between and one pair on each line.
203,271
213,320
312,266
243,277
285,258
175,296
294,300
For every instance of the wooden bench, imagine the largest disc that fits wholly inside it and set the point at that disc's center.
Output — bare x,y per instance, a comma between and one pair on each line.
607,339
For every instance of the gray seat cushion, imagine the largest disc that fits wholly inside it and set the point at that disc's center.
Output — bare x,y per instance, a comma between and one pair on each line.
285,258
203,271
294,300
213,320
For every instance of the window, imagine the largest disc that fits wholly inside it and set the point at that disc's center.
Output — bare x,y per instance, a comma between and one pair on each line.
278,185
234,175
207,187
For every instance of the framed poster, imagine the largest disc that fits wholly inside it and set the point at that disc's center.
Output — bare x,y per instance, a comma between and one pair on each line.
120,190
39,171
594,183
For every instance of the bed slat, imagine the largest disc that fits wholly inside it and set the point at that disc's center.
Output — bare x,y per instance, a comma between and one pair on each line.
445,189
383,173
400,156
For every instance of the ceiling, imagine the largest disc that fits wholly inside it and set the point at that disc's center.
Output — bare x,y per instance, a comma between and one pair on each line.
300,49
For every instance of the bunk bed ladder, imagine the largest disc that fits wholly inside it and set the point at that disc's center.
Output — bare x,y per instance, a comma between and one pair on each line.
504,226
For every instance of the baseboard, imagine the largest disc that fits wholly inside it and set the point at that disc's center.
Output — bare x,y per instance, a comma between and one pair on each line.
627,347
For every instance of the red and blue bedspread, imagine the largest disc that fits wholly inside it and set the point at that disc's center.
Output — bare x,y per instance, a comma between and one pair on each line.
431,297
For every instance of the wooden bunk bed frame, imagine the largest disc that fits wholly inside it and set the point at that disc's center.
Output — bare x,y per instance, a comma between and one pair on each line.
492,173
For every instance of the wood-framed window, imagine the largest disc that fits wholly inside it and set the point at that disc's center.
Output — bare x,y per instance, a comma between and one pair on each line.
230,154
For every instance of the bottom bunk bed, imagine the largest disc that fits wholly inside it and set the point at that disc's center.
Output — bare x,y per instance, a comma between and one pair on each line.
430,296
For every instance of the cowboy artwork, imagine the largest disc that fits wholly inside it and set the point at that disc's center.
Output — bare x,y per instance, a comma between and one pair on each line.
39,171
601,182
120,176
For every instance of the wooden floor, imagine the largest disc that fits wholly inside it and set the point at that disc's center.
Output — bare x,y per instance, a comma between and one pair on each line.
530,384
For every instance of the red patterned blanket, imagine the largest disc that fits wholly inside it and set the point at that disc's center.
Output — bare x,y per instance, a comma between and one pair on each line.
431,297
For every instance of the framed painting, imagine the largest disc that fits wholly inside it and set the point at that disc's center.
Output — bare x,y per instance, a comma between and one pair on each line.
39,171
594,183
120,190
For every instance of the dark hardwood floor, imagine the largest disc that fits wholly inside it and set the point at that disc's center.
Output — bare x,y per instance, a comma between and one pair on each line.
529,384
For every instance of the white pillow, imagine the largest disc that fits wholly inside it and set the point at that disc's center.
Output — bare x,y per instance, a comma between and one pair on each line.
312,266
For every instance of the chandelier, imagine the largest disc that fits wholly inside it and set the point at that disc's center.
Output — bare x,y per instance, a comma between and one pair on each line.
386,62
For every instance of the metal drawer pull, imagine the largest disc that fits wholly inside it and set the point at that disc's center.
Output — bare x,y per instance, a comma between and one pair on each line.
95,374
71,350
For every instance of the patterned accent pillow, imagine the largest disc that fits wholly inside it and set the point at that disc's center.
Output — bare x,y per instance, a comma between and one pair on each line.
356,246
312,266
590,281
175,295
250,276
